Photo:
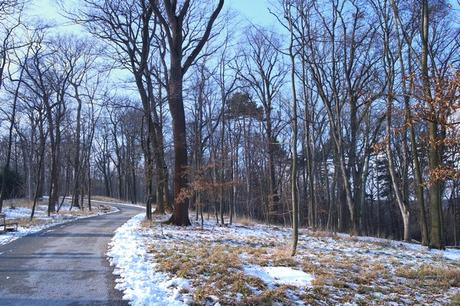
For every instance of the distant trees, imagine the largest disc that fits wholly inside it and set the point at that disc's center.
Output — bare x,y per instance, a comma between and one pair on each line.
345,117
51,89
264,73
14,184
136,43
360,72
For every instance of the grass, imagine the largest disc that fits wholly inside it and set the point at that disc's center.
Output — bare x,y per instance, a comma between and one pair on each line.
215,271
345,270
441,276
245,221
22,202
38,218
456,299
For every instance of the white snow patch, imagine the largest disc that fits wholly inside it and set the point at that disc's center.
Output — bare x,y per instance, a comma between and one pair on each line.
119,203
138,280
41,213
452,254
280,275
359,254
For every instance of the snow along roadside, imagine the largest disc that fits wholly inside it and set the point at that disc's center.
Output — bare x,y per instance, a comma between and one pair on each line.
118,203
55,220
137,278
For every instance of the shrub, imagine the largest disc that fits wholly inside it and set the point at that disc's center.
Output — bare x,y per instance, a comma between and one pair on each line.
13,183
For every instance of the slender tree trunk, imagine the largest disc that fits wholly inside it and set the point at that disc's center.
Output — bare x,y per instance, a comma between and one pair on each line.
294,191
434,158
391,167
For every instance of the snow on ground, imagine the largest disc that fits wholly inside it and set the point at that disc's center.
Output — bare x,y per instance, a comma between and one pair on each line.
160,264
41,220
280,275
113,201
137,277
452,254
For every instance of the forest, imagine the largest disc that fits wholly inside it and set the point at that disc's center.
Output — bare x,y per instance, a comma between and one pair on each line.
342,116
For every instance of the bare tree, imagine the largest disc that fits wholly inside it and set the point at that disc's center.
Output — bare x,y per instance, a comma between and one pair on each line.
174,19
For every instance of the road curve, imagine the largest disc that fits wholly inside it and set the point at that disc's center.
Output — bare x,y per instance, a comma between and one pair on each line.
63,265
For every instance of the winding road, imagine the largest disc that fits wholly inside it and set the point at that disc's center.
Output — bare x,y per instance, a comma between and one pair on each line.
63,265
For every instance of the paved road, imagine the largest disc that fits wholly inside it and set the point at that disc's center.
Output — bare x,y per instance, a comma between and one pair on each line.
64,265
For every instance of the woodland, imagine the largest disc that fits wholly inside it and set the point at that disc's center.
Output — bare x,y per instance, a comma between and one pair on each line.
343,116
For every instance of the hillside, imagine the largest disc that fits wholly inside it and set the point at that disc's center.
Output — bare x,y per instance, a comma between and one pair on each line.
251,264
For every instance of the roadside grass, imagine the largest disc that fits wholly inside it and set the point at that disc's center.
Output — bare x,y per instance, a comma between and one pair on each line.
345,270
22,217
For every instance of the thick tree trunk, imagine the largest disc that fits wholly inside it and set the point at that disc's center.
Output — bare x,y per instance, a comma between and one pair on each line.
176,106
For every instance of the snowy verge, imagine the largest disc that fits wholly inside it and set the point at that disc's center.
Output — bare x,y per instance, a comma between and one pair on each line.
41,220
160,264
137,278
119,203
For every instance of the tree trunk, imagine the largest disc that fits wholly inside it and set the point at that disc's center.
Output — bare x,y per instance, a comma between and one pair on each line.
437,239
176,106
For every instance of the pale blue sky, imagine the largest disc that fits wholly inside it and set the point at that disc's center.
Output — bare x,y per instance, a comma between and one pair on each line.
255,11
248,11
252,11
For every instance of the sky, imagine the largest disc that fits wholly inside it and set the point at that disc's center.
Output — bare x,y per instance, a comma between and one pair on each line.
254,11
250,11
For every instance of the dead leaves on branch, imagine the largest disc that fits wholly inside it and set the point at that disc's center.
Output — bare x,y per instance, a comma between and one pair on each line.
201,180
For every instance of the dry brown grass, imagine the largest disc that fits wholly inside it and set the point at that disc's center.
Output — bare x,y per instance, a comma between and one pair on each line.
341,274
26,222
245,221
439,276
22,202
322,234
106,199
218,271
146,223
455,299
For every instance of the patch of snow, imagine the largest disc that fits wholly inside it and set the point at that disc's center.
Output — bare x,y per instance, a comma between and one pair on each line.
280,275
138,280
178,286
41,213
344,258
17,212
21,232
451,254
116,203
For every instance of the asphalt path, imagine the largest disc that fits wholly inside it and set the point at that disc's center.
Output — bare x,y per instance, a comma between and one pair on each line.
63,265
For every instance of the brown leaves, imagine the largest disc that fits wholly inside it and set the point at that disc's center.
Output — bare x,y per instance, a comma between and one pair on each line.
443,173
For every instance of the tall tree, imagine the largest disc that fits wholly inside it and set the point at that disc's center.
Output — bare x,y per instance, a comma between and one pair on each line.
174,18
10,21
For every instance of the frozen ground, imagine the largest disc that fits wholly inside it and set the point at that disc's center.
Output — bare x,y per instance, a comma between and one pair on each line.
41,220
159,264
